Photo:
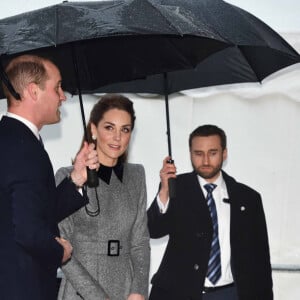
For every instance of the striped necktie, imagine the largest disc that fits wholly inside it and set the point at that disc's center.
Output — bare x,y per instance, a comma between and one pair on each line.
214,263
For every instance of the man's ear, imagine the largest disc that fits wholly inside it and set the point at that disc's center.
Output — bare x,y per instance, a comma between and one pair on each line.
32,90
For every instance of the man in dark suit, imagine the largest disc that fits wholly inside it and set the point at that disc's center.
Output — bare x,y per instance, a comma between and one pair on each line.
30,204
218,244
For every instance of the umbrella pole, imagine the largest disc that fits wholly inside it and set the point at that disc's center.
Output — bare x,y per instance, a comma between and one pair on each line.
92,177
171,181
167,113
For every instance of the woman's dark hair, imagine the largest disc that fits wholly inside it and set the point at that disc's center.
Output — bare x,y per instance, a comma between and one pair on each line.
106,103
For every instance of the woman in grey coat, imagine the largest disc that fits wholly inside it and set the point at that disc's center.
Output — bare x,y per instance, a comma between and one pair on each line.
110,239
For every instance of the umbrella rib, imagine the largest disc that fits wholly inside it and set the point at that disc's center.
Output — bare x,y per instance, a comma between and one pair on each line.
56,25
248,62
167,20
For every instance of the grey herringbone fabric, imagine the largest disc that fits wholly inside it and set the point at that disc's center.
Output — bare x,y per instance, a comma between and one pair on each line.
93,274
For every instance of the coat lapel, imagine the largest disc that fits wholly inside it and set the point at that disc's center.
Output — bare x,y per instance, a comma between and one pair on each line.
196,199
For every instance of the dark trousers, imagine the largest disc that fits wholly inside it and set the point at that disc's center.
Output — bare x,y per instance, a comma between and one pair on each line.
158,293
229,293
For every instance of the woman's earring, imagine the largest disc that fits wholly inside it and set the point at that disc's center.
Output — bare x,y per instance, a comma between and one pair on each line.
94,137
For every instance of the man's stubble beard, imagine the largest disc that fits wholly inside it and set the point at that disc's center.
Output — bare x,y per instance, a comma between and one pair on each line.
211,174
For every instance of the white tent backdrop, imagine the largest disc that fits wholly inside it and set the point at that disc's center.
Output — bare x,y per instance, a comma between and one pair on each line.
262,123
263,152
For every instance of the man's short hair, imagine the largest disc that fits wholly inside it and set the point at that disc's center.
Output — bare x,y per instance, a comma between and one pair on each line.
209,130
23,70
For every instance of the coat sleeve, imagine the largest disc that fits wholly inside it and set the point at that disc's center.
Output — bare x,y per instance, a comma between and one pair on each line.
158,223
250,255
33,200
140,247
69,198
79,277
31,231
263,251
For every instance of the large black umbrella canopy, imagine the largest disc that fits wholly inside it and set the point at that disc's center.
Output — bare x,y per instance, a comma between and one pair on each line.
100,43
113,40
256,51
123,40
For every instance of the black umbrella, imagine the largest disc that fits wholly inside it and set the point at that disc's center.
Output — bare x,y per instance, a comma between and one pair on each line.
112,40
103,42
228,66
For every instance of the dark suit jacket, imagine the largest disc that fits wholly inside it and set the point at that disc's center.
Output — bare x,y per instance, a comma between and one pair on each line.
30,208
188,224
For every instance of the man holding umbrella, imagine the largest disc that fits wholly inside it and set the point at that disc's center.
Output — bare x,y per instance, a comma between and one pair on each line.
30,204
218,244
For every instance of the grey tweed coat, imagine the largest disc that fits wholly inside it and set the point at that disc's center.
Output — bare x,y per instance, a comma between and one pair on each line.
91,274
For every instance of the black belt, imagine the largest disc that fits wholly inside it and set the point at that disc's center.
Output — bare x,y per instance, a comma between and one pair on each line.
216,288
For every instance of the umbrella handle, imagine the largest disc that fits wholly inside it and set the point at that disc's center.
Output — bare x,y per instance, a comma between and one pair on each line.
172,183
92,178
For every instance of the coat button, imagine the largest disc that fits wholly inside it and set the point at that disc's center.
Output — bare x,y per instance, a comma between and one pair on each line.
200,235
196,267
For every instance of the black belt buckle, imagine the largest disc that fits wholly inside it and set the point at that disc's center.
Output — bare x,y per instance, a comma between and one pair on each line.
113,248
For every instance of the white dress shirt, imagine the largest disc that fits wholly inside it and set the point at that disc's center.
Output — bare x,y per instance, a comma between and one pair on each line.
223,212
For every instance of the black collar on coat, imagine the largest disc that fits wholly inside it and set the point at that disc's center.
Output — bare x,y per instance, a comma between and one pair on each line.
105,172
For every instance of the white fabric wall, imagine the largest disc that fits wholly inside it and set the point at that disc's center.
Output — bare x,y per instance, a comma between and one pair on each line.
263,149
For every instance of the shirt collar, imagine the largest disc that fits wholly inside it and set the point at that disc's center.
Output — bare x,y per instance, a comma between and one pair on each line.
220,182
30,125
